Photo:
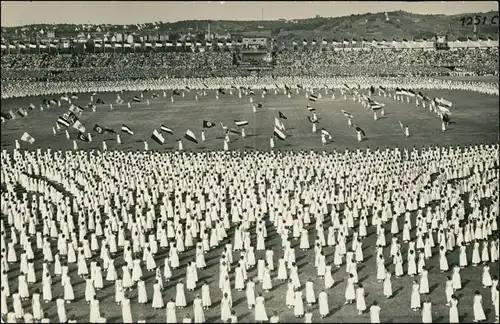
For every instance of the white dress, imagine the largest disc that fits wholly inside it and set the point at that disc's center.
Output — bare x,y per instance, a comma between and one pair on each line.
157,296
171,315
180,297
415,296
298,304
479,314
360,299
142,296
350,293
375,314
198,313
126,311
323,304
260,310
94,311
225,309
427,312
454,318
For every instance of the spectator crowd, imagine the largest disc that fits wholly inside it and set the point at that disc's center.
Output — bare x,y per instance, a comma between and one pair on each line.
119,66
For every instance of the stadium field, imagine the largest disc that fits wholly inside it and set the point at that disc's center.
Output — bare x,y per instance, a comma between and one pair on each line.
474,120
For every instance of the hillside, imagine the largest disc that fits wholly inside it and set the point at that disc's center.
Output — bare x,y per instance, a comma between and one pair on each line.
400,25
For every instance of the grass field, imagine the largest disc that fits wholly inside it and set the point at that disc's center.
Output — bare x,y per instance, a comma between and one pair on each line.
475,121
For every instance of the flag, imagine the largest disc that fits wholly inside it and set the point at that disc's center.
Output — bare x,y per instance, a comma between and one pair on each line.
375,106
190,136
165,129
382,89
127,129
347,114
157,137
444,110
188,89
399,91
31,106
75,109
63,121
224,127
98,129
21,112
411,93
444,102
5,115
360,130
27,138
313,98
207,124
136,99
278,124
325,132
78,126
12,116
312,121
346,87
401,124
65,98
54,102
420,95
234,131
310,108
241,122
279,134
82,137
280,115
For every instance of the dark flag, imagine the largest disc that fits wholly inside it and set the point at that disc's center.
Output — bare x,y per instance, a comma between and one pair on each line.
313,98
136,99
360,130
31,106
280,115
300,86
312,121
205,85
5,115
98,129
207,124
82,137
177,93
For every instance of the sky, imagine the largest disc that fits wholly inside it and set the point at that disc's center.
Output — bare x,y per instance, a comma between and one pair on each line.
18,13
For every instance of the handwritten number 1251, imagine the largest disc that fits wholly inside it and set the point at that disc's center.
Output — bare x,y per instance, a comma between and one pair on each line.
478,20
